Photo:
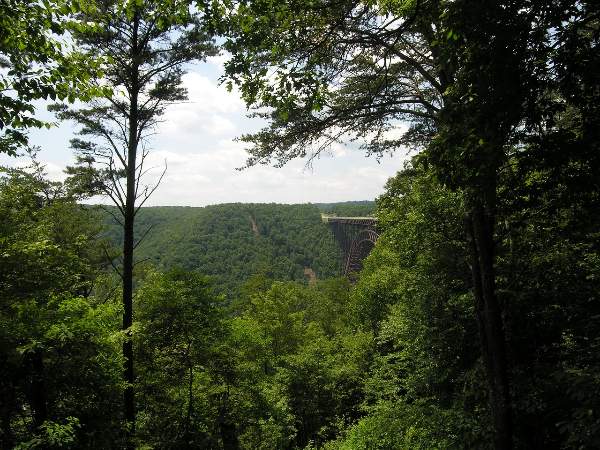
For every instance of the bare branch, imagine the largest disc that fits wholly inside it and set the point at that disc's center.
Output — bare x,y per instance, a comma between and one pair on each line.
143,236
113,215
147,194
111,261
143,260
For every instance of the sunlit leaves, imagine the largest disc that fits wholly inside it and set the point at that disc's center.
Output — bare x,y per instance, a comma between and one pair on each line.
40,65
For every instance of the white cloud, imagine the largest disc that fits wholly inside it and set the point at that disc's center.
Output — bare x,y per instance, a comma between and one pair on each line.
208,177
397,131
207,96
55,172
210,109
218,61
196,138
338,150
52,171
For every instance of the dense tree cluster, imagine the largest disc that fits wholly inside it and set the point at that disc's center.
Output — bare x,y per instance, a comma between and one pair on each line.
363,208
58,344
474,323
232,242
415,294
485,87
282,369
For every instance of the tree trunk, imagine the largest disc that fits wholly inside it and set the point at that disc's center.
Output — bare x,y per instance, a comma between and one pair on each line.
480,231
227,428
128,242
128,373
190,408
37,392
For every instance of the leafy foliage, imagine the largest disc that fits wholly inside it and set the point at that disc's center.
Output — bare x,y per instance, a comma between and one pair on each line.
144,47
474,320
180,324
37,64
235,241
348,209
478,83
57,346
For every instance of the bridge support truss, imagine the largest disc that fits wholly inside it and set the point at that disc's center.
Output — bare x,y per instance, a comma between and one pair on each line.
356,237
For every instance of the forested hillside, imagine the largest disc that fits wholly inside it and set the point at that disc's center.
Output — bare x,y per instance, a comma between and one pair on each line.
474,322
233,242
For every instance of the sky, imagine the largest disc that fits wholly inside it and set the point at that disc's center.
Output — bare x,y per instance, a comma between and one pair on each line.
197,141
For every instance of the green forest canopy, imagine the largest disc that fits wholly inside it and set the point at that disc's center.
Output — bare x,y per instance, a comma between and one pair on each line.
232,242
475,320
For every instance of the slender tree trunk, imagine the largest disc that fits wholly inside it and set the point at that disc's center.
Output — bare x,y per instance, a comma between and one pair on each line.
129,398
37,393
128,241
190,408
480,229
227,428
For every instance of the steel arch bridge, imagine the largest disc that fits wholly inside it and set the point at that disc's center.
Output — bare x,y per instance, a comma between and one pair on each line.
356,237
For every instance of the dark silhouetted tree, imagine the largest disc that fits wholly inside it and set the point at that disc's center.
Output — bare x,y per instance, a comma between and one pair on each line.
145,45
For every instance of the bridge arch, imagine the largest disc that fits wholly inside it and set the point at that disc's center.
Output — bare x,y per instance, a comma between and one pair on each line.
361,246
356,237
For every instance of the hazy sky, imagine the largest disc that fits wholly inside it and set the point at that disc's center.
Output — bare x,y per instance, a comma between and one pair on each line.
197,141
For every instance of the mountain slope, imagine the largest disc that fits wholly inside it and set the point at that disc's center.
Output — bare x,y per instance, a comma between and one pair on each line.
233,242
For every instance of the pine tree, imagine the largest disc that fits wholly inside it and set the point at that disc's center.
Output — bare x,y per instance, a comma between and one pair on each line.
145,45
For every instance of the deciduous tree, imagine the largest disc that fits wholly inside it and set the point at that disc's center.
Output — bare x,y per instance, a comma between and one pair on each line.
37,63
59,370
463,74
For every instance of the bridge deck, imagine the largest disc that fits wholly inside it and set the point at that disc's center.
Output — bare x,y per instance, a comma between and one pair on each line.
349,220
